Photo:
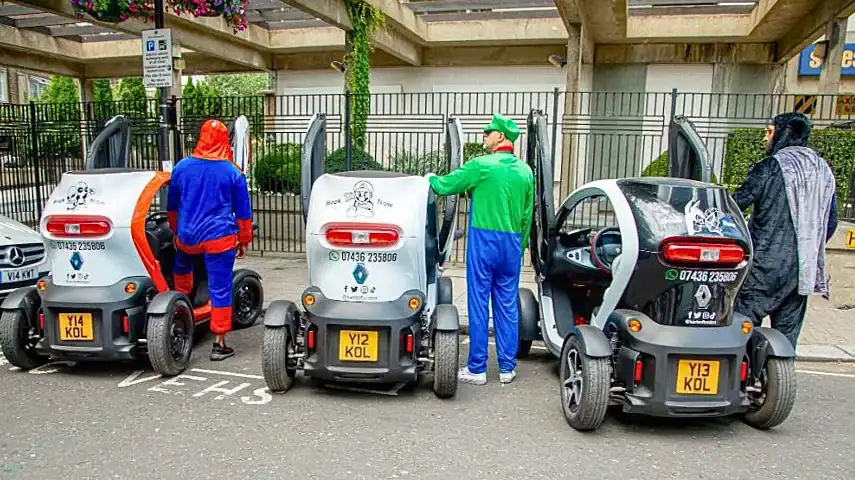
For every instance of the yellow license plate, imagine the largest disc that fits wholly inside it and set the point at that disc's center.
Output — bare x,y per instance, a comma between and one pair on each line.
357,346
697,377
75,326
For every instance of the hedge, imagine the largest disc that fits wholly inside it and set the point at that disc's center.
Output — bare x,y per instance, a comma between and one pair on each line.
744,147
277,168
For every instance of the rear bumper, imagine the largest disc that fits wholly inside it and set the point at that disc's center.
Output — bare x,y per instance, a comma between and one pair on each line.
382,359
105,308
664,389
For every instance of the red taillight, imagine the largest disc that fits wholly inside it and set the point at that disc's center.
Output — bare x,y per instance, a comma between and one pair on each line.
41,321
310,340
362,234
743,372
126,324
639,369
410,342
579,320
78,225
689,251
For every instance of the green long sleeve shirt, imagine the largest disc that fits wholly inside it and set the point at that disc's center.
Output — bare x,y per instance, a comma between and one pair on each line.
502,188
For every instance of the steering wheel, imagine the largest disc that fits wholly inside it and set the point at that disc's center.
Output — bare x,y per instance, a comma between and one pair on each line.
603,256
156,217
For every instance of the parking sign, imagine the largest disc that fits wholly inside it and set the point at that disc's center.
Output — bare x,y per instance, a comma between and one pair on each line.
157,58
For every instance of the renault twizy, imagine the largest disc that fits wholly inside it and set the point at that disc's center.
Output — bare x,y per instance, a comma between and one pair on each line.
109,295
636,283
377,310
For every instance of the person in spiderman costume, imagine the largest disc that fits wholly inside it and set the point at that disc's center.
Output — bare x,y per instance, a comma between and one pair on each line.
209,210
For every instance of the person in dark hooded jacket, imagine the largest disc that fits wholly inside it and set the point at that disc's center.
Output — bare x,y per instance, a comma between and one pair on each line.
794,214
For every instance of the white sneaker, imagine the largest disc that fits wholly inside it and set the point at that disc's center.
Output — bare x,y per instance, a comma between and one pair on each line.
465,376
507,377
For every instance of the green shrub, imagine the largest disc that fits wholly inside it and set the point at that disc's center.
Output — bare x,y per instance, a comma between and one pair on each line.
277,169
745,148
417,163
474,149
659,168
359,160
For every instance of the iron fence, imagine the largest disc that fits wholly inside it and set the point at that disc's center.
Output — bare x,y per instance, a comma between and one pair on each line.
594,135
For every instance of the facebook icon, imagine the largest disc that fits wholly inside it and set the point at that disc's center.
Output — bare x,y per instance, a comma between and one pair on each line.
149,46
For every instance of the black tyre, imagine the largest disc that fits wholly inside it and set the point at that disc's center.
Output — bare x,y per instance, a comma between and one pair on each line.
524,348
247,300
778,396
16,342
170,339
585,383
445,296
528,319
274,359
446,348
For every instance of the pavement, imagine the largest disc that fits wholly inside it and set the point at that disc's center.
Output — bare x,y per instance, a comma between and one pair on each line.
828,334
218,420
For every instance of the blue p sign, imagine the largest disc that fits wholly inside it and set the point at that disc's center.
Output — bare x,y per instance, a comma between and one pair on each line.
149,46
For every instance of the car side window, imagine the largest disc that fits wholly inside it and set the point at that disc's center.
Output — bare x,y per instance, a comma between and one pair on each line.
593,212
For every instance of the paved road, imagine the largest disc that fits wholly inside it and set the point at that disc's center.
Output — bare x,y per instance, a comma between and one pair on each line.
217,421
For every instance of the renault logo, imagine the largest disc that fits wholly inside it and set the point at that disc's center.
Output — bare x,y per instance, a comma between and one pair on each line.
15,256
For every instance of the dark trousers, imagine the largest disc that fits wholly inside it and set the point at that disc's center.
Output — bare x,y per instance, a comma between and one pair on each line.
787,313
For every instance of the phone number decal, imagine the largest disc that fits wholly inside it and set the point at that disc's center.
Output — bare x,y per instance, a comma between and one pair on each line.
364,257
701,276
75,245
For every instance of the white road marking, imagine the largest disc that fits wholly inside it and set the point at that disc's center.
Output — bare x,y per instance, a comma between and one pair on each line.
829,374
217,372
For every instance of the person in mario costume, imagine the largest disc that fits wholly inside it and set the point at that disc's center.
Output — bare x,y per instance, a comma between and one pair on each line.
209,210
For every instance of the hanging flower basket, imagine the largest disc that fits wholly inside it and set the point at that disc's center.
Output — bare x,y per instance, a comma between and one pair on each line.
114,11
232,11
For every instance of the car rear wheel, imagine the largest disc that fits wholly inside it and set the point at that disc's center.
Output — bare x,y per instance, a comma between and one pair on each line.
585,383
274,359
777,395
247,299
18,342
170,339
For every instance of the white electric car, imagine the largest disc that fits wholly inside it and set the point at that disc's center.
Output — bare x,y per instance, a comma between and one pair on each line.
377,310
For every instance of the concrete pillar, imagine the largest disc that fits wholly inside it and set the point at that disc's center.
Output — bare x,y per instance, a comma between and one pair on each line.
86,95
829,77
569,160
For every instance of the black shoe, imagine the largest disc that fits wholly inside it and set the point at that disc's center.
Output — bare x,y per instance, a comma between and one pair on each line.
221,352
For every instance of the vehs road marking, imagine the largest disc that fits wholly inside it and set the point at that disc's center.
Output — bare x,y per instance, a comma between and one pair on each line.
465,341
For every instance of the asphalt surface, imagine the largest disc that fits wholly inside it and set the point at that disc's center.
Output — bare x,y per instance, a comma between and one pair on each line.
217,421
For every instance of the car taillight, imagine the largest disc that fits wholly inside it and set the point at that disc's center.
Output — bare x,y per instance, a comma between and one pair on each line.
689,251
78,225
362,234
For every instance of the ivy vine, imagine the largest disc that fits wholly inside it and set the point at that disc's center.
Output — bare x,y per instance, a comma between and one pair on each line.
365,20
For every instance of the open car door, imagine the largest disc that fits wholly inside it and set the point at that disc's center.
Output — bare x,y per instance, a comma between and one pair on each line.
112,147
312,161
239,137
543,216
448,214
687,154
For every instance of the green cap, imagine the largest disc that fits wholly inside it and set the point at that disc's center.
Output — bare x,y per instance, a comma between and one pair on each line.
504,125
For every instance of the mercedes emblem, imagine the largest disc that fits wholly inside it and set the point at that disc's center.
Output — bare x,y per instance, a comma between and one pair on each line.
15,256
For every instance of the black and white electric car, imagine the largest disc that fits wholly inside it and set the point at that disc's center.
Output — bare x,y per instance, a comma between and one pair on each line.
636,281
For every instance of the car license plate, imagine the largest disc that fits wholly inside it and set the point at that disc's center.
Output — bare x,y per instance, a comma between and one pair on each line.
697,377
22,275
75,327
357,346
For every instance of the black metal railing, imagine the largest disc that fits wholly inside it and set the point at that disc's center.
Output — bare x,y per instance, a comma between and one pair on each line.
594,135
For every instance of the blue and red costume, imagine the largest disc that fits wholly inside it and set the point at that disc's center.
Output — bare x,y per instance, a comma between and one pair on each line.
209,210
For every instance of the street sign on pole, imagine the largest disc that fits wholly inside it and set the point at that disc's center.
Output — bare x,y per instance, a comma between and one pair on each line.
157,58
